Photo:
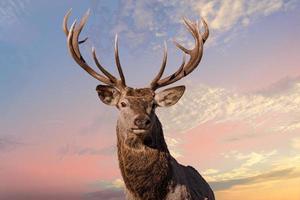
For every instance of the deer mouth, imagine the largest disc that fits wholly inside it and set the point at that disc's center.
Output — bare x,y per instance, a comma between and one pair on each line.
139,130
144,136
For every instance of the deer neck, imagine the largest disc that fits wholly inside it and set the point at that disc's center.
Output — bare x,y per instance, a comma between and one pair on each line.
146,171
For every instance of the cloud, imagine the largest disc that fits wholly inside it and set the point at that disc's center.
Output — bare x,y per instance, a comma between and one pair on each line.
11,11
173,146
282,86
291,126
114,184
102,122
210,171
256,167
273,175
82,151
277,112
250,164
13,23
139,21
109,194
296,143
38,195
254,158
8,143
224,15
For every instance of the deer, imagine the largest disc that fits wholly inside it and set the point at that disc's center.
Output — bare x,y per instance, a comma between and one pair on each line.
148,169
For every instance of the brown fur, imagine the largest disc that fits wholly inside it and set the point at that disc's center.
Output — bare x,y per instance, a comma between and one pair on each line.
146,171
153,174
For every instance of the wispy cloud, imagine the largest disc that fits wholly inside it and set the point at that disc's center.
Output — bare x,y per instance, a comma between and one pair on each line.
277,112
139,21
228,13
8,143
101,122
229,16
14,26
11,11
173,146
114,184
37,195
109,194
255,167
70,150
250,165
296,143
273,175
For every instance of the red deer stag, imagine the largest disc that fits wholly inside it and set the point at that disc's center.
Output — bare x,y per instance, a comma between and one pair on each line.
148,169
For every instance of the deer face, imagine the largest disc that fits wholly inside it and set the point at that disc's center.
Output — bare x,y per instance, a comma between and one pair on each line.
136,107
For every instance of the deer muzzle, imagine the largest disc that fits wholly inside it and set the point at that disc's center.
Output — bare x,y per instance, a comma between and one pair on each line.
142,124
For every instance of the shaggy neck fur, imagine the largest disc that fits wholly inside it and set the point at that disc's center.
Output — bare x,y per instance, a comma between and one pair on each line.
146,171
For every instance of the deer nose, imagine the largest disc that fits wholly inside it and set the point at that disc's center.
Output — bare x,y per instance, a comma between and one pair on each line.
142,121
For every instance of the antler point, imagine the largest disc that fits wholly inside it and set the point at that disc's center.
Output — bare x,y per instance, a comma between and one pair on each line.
165,45
73,25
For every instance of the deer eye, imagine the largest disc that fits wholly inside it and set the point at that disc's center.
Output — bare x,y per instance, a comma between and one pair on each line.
123,104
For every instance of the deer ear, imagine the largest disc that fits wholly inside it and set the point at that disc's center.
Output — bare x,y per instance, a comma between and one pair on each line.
108,94
170,96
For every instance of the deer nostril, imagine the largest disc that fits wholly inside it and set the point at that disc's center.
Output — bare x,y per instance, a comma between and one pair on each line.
138,121
142,121
147,122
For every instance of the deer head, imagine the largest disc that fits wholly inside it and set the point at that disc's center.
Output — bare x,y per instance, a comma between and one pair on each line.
137,119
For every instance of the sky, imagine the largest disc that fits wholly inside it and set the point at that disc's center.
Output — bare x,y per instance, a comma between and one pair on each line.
238,122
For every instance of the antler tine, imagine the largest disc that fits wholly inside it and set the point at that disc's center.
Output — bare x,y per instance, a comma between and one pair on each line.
206,30
73,46
65,25
65,22
192,27
195,54
81,61
162,68
118,61
77,31
181,66
103,70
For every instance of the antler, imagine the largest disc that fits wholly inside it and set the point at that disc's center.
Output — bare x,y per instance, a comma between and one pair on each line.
73,46
195,56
